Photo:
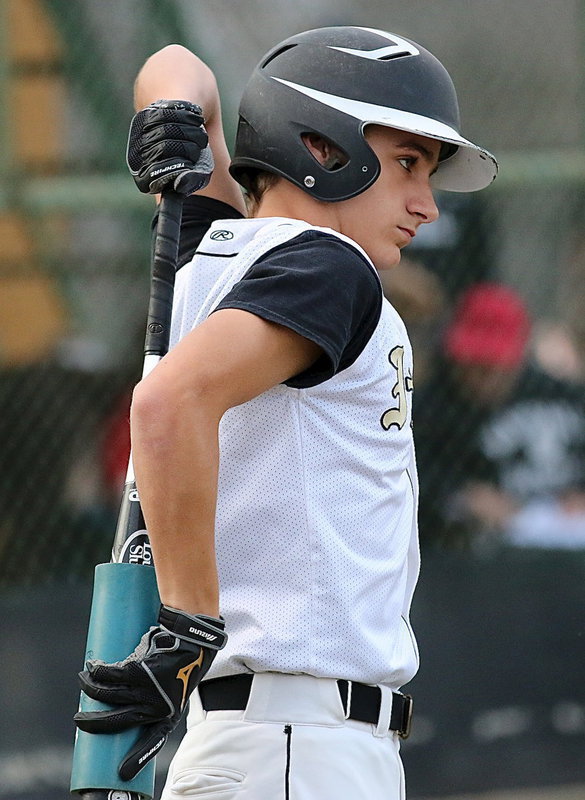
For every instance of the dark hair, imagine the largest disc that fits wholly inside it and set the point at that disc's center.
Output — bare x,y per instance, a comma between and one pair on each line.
256,184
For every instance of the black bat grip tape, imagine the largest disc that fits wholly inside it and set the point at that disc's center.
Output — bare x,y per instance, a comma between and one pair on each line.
164,267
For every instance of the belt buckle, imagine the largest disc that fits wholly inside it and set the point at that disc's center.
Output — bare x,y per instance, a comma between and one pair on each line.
404,733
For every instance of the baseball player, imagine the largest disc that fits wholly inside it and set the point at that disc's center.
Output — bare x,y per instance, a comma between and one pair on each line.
272,446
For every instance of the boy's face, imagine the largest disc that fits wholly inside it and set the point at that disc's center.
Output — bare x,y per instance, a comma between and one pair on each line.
385,217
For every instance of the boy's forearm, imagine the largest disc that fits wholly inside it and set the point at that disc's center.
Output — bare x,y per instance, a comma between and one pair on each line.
176,460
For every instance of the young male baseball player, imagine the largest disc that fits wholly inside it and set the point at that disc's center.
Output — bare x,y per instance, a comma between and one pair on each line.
272,446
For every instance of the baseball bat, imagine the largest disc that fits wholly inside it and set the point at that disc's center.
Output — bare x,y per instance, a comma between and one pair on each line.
125,599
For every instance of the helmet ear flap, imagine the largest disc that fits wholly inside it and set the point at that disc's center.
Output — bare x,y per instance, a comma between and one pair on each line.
327,171
282,148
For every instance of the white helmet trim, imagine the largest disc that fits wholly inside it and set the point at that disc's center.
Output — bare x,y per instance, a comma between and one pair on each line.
471,168
399,46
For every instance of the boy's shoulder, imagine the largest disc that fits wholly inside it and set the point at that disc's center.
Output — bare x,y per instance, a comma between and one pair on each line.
286,235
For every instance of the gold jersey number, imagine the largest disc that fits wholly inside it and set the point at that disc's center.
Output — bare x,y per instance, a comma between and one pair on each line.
398,414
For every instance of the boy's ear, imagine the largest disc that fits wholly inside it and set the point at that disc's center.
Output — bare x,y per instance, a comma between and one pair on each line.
323,151
318,147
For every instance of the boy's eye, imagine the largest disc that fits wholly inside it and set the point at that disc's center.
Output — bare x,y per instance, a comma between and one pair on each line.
407,162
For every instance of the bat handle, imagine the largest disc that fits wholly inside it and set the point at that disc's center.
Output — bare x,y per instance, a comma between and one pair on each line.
164,267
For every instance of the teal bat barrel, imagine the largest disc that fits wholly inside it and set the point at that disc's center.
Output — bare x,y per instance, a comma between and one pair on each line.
125,604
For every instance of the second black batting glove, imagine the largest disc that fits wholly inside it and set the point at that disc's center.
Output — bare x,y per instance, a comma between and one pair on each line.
152,686
168,148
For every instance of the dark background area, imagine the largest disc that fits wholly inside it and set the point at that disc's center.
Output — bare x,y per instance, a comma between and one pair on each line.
499,699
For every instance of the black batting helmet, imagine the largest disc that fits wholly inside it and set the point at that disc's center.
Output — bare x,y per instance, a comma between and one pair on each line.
334,82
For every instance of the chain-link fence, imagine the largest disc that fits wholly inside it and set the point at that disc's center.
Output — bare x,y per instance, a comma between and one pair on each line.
498,421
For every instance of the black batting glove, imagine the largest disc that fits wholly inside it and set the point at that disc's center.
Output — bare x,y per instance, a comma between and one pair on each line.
168,148
151,687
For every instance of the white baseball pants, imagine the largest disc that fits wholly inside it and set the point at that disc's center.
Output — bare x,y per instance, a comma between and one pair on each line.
292,742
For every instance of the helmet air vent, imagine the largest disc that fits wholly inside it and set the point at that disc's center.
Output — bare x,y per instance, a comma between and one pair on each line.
278,52
390,56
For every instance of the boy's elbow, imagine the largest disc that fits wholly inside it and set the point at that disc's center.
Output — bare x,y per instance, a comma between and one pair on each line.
188,64
175,48
159,407
147,412
176,73
154,405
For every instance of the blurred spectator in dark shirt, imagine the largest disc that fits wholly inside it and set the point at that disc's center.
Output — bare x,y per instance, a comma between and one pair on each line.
500,442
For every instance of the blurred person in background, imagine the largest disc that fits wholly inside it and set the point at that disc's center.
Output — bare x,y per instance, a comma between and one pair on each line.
418,295
500,442
555,348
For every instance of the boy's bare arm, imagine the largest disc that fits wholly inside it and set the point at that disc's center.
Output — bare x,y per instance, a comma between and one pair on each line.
175,73
227,360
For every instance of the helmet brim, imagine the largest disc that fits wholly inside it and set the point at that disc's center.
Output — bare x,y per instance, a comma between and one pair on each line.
469,169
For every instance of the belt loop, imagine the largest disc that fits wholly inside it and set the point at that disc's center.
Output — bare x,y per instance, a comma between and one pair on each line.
348,702
383,725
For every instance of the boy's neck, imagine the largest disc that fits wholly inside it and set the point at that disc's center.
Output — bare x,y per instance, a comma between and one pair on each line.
286,200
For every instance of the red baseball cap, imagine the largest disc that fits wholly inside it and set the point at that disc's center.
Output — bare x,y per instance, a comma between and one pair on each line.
490,326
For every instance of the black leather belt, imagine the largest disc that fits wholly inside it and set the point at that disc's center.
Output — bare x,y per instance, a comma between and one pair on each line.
232,693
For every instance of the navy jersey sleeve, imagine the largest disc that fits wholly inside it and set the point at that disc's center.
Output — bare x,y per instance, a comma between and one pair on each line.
320,287
198,214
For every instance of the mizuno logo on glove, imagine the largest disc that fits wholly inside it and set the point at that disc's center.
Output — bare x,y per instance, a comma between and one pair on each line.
185,673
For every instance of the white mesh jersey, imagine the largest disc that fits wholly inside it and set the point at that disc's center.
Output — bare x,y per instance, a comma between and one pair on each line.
316,531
